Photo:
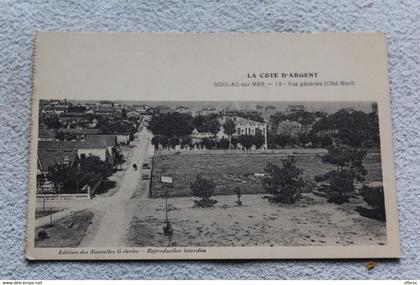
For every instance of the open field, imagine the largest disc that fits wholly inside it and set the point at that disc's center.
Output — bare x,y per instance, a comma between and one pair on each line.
66,232
232,170
311,221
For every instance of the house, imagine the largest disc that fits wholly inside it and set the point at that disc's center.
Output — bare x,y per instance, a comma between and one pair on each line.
244,127
103,108
270,108
55,106
207,111
123,138
99,142
143,109
183,110
295,108
198,136
133,114
97,145
46,135
259,108
47,159
162,109
348,109
78,134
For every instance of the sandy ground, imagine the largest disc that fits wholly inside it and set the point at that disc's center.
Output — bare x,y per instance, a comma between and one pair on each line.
312,221
66,232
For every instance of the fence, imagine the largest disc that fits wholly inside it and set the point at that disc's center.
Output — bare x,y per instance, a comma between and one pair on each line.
294,151
62,197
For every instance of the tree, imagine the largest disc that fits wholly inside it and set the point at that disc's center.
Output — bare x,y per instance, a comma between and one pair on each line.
259,140
247,141
186,141
72,177
171,124
229,129
124,113
208,143
95,167
283,183
76,176
349,167
374,197
52,122
174,141
164,141
223,144
281,140
238,194
57,175
207,124
355,129
155,142
203,188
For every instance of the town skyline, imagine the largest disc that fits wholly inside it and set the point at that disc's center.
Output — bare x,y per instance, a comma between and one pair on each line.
280,106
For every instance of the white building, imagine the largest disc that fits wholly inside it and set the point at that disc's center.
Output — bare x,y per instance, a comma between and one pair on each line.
244,127
183,110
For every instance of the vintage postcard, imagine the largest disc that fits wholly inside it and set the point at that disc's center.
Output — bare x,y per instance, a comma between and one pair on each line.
211,146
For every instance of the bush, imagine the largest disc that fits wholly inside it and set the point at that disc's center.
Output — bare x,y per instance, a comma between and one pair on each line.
238,194
341,186
349,167
205,203
283,183
42,234
374,197
203,188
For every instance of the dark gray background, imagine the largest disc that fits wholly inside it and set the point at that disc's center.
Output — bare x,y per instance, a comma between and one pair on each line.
20,19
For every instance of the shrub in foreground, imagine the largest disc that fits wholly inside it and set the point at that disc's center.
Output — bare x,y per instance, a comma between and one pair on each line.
374,197
283,183
203,188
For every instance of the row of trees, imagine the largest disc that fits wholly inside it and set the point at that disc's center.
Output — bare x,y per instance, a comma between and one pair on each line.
246,141
353,128
311,140
178,125
175,129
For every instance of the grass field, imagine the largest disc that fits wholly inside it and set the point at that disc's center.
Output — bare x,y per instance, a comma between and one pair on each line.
232,170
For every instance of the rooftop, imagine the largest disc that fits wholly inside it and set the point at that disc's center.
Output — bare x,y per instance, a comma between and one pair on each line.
92,142
48,158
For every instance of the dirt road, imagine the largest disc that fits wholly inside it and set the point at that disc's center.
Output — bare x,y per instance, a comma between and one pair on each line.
111,220
115,221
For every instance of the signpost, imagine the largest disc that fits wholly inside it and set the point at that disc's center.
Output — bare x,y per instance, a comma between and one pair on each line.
167,184
166,180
